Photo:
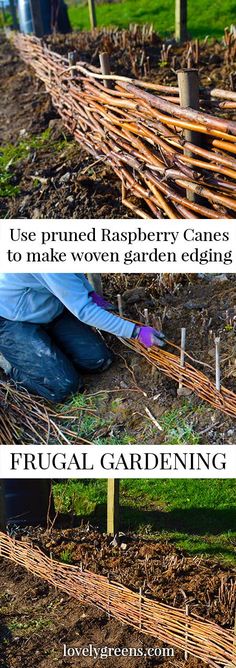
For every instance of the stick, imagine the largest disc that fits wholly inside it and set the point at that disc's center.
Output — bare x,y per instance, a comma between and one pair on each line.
105,67
140,607
120,308
108,597
182,351
186,635
72,57
146,317
217,352
153,419
234,642
189,98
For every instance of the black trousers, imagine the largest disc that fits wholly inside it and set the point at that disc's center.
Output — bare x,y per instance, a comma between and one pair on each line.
47,359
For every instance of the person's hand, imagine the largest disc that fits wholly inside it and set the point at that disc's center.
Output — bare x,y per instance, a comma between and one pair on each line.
97,299
149,337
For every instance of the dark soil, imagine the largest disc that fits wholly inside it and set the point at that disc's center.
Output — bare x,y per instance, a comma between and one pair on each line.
36,620
162,570
200,305
215,63
130,385
25,109
89,190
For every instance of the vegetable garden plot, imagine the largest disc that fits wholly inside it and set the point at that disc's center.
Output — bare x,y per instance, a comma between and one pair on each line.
205,640
141,136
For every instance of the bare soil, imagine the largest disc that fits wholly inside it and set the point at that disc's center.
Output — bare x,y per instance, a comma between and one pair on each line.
26,109
204,305
89,190
199,304
36,620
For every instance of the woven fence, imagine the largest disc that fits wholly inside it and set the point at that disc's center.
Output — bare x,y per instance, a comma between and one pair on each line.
187,375
141,135
202,639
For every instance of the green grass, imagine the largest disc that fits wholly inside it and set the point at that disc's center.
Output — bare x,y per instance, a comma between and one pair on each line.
91,424
178,425
101,426
11,155
203,18
31,625
198,516
66,556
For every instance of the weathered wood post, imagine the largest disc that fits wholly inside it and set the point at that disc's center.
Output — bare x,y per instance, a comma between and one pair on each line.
92,14
72,57
113,490
105,67
180,20
188,82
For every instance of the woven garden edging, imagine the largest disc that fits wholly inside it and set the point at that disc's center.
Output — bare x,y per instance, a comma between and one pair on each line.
191,378
141,135
202,639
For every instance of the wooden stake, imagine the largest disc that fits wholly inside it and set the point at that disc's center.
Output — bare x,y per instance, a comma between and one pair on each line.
186,634
92,14
96,282
188,82
105,67
182,351
120,308
108,597
146,317
113,488
232,665
140,607
180,20
183,344
72,57
217,347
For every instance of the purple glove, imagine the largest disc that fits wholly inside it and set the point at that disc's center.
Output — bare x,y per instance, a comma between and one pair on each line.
100,301
149,336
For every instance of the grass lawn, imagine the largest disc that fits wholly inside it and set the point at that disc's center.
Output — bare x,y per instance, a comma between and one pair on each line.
203,18
196,515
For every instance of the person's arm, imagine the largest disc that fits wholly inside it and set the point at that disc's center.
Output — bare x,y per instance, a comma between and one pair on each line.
71,290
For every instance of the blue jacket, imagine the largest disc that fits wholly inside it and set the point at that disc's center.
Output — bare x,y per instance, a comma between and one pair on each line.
41,297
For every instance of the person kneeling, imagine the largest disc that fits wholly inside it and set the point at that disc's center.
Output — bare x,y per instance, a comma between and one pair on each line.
47,332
